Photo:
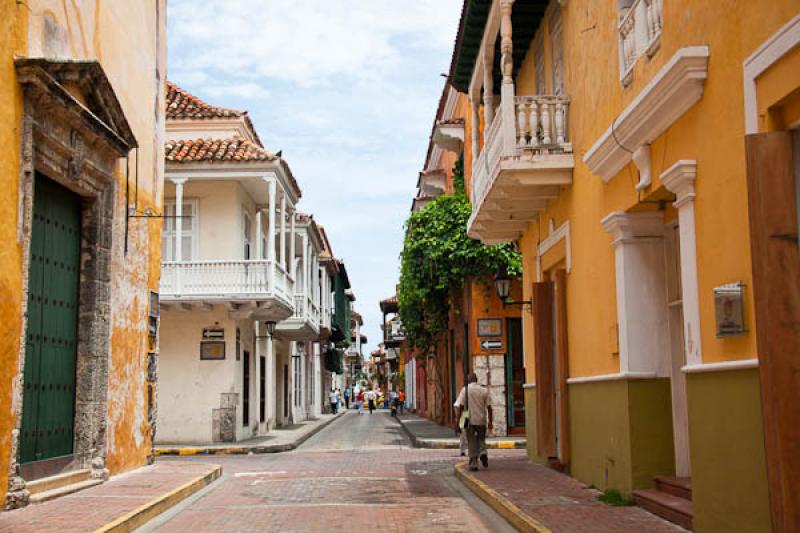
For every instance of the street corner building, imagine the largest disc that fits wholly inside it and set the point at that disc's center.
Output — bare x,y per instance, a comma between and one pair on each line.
644,156
79,254
248,288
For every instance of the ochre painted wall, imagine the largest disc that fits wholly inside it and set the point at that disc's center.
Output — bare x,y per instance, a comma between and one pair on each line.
135,62
13,19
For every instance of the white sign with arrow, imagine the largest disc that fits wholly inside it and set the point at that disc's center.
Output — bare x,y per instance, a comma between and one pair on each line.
491,344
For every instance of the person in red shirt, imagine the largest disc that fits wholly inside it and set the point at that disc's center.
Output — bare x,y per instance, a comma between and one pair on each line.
360,402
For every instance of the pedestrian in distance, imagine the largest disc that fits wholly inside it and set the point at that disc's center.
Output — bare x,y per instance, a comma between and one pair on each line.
402,400
360,402
347,398
371,400
475,398
334,399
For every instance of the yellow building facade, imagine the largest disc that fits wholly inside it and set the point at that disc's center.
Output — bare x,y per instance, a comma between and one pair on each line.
612,148
82,109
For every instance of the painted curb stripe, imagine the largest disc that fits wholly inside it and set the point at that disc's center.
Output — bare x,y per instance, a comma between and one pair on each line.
513,514
150,510
239,450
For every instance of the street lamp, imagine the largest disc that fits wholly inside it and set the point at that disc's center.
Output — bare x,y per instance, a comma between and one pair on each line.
502,284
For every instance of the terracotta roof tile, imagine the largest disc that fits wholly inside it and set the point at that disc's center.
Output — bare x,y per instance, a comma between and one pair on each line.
216,150
183,104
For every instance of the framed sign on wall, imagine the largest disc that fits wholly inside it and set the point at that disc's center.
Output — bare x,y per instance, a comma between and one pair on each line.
490,327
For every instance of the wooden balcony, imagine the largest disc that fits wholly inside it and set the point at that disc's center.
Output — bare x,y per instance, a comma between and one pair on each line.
526,160
258,289
303,324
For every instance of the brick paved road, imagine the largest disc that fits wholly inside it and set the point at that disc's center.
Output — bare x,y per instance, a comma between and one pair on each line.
358,474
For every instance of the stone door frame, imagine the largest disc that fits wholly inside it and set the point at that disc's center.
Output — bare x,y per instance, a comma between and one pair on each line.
78,146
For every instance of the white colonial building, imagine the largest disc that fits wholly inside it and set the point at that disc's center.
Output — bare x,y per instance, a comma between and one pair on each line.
244,299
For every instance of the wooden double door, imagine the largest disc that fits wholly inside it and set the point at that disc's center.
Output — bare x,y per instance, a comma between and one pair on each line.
51,337
551,356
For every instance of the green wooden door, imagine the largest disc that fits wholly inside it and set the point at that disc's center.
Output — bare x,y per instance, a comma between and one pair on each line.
51,338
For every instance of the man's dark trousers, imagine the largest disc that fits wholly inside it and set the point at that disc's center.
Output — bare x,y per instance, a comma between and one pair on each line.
476,443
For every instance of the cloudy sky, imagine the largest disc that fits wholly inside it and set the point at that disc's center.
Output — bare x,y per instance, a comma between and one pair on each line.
347,89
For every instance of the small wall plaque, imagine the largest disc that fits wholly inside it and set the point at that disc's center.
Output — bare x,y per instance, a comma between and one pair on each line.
212,350
490,327
728,304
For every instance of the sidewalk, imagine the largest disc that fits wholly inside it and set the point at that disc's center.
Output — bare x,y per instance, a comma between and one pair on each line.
278,440
122,503
426,434
536,498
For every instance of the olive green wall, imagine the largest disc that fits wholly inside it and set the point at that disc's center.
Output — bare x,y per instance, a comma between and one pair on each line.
530,426
726,439
620,433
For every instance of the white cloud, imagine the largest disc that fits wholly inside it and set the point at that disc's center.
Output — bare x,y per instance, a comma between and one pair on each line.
309,41
347,89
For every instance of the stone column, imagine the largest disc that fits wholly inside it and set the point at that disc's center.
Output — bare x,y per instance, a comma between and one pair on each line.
304,250
679,179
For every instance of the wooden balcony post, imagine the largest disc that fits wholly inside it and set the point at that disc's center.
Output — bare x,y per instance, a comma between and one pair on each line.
259,235
178,255
292,245
283,230
304,249
507,93
271,236
488,91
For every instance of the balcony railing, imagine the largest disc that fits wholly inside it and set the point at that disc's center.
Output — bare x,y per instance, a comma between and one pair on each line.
305,309
639,31
224,279
540,126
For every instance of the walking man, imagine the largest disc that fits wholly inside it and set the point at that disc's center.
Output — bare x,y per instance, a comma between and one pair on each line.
371,400
347,398
402,398
360,402
475,398
334,399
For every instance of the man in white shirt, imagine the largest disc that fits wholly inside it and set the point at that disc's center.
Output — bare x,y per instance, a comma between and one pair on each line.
479,404
371,400
334,399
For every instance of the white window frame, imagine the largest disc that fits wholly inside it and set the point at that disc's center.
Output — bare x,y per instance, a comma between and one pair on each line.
170,236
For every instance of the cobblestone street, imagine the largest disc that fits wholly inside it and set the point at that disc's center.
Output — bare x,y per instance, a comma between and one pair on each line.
357,474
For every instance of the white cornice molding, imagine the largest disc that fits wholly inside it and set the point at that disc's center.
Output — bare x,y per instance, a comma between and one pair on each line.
679,179
562,233
743,364
624,226
672,92
781,42
619,376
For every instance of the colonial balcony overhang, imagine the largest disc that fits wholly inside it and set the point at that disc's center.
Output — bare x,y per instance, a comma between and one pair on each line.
432,183
449,134
525,158
311,286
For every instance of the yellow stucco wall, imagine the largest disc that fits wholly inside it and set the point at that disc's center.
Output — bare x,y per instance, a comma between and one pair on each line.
13,18
131,59
712,133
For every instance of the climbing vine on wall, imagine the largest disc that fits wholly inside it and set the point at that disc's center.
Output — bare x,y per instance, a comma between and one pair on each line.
437,258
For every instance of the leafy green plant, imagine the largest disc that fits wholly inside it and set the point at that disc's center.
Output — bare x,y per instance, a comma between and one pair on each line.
438,258
615,498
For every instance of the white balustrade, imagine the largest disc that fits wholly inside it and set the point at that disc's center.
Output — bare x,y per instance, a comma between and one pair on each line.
541,128
542,123
639,29
222,278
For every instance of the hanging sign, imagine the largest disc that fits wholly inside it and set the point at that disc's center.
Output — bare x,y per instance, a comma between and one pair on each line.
490,327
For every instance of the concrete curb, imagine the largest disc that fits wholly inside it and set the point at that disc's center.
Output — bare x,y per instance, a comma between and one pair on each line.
151,509
513,514
244,450
452,444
